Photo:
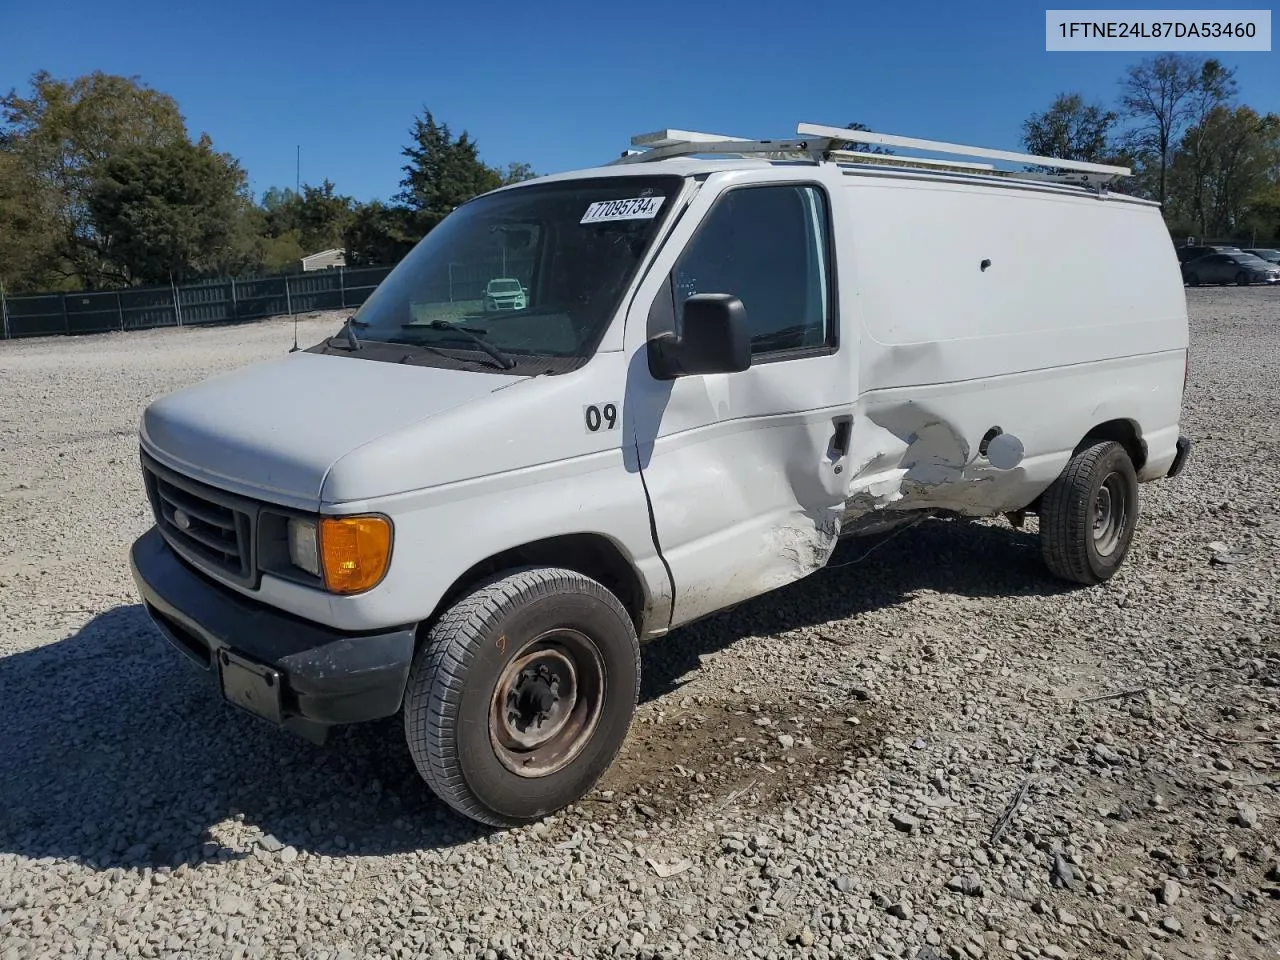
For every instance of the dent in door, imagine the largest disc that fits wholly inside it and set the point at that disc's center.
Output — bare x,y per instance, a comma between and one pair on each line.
709,493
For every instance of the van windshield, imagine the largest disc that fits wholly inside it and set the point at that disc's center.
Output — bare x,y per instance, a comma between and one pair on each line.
536,272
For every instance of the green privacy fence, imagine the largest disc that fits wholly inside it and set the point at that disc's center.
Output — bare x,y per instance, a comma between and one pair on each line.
189,304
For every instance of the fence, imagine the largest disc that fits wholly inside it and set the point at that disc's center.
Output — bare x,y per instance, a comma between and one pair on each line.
213,301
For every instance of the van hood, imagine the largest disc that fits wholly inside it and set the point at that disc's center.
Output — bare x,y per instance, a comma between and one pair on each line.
275,428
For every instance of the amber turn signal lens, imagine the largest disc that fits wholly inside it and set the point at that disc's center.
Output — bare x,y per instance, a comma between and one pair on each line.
354,552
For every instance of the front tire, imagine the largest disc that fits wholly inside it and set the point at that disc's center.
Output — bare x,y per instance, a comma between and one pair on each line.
1089,514
522,695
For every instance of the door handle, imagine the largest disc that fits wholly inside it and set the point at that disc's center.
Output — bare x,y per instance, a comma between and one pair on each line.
840,438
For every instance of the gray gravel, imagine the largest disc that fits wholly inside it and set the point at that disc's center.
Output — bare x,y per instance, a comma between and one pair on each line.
938,752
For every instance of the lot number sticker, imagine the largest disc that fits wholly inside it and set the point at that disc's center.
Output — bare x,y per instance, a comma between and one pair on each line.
639,208
601,416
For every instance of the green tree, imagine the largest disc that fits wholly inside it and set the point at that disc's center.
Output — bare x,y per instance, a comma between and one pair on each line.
1162,95
379,235
169,211
323,216
58,138
517,173
283,210
1070,130
1225,170
442,172
28,230
1263,220
315,219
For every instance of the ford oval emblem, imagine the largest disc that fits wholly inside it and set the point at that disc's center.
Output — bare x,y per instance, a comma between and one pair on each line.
181,520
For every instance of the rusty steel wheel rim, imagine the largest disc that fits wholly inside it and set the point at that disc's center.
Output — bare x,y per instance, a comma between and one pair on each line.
547,703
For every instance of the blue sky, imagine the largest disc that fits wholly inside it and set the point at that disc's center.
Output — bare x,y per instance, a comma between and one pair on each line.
565,84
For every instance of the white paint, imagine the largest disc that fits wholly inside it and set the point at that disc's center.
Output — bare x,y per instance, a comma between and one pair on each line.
1079,319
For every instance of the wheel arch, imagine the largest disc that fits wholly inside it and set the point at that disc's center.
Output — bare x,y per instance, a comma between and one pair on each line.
593,555
1123,431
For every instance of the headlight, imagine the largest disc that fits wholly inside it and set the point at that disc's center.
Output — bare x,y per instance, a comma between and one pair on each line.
354,552
349,554
303,550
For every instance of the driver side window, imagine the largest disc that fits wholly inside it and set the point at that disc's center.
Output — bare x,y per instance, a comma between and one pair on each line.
769,247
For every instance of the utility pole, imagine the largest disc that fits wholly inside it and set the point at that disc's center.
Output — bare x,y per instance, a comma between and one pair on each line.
297,174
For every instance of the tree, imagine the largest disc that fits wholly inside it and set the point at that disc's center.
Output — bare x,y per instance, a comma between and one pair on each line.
1217,85
60,136
1162,94
315,219
1263,219
1225,169
168,212
28,230
379,235
323,215
1070,130
517,173
442,172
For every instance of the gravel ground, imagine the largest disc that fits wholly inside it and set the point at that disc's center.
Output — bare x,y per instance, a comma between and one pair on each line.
935,752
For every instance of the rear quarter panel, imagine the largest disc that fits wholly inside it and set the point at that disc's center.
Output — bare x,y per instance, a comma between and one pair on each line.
1041,313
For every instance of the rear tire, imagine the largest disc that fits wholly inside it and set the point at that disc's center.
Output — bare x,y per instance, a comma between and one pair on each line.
522,695
1193,279
1089,513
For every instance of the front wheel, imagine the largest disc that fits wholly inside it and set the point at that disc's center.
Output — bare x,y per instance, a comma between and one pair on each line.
1242,279
1193,279
1089,514
522,695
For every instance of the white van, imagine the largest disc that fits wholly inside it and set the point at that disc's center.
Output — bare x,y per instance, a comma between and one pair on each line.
731,353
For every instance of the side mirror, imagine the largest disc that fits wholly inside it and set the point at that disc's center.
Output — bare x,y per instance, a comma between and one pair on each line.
714,339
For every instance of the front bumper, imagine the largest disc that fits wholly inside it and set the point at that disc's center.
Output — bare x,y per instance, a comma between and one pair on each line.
301,675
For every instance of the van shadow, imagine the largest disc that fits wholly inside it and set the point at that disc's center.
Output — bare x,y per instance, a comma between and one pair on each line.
117,753
957,557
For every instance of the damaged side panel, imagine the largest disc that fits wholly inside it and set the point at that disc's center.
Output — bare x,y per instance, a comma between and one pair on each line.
923,447
741,507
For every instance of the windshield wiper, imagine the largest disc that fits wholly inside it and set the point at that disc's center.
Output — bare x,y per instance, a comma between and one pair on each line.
470,334
347,330
351,334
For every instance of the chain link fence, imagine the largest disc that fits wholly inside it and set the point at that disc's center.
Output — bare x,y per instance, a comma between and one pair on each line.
189,304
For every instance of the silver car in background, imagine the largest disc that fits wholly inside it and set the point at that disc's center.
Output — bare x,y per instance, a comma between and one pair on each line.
1266,253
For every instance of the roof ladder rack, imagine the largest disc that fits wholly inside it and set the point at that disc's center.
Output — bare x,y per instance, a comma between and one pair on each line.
957,149
663,144
816,142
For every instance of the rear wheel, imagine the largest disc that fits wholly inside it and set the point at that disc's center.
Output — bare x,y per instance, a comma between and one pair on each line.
1089,513
522,695
1193,279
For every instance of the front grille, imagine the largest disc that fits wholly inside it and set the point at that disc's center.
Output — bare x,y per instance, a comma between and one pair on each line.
201,523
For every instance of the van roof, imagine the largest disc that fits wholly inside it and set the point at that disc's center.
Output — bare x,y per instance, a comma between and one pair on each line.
702,166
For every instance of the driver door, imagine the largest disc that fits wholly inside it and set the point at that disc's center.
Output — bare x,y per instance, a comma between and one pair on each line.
746,472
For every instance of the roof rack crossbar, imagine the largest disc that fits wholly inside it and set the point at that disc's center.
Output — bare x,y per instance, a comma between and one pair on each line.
939,146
